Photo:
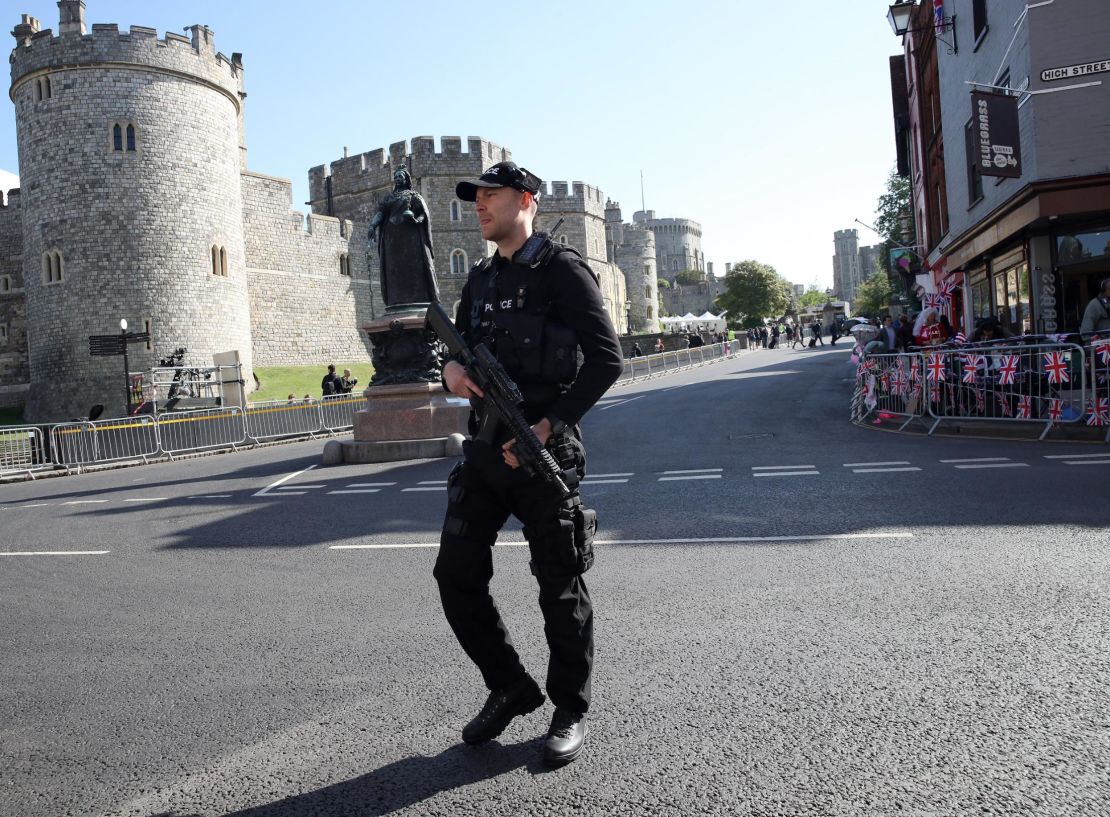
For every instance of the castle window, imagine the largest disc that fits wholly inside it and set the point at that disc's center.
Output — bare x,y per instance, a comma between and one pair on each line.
43,89
223,261
47,88
131,138
344,264
5,284
117,137
147,324
455,214
52,267
3,334
458,262
120,130
219,261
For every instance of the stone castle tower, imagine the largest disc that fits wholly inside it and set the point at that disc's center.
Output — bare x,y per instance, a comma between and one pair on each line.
130,153
632,248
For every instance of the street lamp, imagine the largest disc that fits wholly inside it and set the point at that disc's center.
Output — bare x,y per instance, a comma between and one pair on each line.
628,317
899,18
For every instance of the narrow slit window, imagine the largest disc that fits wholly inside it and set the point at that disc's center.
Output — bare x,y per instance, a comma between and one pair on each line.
458,262
455,214
215,260
131,138
49,92
223,261
117,138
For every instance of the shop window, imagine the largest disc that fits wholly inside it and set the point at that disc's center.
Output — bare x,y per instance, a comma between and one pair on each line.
1071,249
1011,298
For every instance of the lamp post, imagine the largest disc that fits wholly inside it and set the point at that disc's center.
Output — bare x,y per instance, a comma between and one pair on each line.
899,14
126,367
628,317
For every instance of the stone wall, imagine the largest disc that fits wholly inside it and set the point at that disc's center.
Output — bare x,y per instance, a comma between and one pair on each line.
14,370
677,243
303,308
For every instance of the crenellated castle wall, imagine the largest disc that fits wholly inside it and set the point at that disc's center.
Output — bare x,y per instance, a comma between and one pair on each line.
303,307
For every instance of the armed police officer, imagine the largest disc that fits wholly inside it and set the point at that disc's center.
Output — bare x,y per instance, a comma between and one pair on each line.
538,307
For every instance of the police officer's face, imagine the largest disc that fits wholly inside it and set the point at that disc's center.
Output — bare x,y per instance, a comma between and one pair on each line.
499,210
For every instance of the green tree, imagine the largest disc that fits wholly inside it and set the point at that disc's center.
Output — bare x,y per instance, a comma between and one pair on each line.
812,297
873,296
688,277
663,283
753,291
895,223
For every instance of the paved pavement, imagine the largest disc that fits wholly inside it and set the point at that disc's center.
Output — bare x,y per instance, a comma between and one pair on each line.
794,616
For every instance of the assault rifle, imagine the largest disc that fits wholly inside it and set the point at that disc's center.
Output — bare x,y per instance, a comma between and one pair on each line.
501,401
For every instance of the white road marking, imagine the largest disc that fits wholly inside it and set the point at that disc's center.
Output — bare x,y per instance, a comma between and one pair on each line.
882,470
356,491
85,502
38,505
56,553
980,459
294,487
693,471
997,465
588,481
874,464
787,474
710,540
1087,462
778,467
148,499
443,488
433,482
1072,456
214,496
286,478
371,484
691,476
603,476
623,402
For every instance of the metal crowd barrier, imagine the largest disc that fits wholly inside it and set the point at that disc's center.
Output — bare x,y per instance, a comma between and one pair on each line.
1032,380
273,419
23,451
181,432
658,364
337,411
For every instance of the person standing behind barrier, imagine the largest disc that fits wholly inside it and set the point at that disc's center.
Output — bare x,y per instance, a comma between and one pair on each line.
514,300
1096,317
346,383
330,383
888,334
636,351
660,347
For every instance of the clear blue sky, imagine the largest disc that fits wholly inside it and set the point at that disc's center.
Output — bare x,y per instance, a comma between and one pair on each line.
768,123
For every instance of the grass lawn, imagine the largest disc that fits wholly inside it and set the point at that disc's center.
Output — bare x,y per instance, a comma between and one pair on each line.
278,382
11,416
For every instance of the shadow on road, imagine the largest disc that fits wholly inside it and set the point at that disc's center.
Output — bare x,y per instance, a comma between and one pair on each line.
404,783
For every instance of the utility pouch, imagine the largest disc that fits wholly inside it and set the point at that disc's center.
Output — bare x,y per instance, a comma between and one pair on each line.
585,529
562,358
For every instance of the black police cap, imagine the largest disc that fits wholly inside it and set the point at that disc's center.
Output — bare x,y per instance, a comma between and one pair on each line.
502,174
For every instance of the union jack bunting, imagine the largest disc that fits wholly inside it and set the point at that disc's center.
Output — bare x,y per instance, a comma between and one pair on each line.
915,371
1007,370
1056,367
947,288
1004,406
1025,407
1055,409
1102,349
932,301
898,382
934,393
971,367
1099,410
981,401
938,14
936,368
884,381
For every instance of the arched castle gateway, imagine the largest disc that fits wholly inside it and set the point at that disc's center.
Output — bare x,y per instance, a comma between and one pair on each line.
136,202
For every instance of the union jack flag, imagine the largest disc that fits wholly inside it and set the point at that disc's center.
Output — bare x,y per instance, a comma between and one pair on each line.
936,368
971,367
981,401
938,13
1099,412
1056,366
1102,349
915,371
1004,406
1025,407
933,301
1007,370
898,382
884,380
947,288
934,393
1055,409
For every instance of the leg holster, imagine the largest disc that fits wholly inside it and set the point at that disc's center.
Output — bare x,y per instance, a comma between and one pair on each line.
563,546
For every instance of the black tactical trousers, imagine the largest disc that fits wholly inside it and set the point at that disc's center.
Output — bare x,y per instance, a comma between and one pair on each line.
482,492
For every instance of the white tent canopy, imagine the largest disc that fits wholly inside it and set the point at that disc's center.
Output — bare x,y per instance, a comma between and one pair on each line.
690,322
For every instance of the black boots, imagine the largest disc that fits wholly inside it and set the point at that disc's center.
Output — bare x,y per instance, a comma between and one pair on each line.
565,738
501,707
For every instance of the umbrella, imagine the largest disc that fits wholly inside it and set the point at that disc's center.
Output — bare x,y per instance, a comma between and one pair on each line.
864,331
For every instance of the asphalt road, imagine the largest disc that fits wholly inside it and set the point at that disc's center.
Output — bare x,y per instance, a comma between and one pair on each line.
794,616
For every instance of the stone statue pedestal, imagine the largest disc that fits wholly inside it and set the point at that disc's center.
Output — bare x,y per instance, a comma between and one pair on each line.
403,420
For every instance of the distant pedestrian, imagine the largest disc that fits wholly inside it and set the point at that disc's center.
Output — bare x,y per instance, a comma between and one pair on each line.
775,333
636,351
1096,317
798,338
659,346
330,384
346,383
817,339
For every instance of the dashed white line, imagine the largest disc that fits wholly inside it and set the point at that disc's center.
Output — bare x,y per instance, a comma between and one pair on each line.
1072,456
286,478
874,464
882,470
980,459
693,471
779,467
691,476
441,488
214,496
622,402
148,499
85,502
356,491
371,484
38,505
589,481
433,482
55,553
1087,462
606,476
787,474
997,465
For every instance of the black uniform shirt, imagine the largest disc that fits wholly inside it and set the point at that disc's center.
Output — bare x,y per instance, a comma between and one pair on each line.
574,301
